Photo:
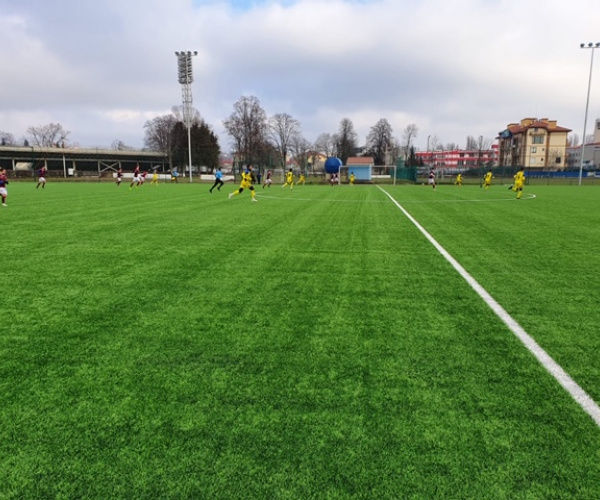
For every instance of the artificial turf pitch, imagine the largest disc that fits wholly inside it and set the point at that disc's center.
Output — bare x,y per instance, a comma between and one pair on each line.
166,343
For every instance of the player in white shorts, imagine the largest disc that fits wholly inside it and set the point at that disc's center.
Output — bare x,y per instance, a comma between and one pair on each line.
3,183
268,180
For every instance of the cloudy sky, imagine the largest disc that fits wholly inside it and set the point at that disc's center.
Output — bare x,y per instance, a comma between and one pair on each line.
102,68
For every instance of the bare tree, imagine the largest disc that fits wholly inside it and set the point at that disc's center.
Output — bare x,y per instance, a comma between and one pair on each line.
48,136
394,152
471,143
302,150
7,139
159,136
482,144
573,140
325,144
282,128
119,145
410,132
247,126
178,114
555,158
434,142
345,140
379,141
451,146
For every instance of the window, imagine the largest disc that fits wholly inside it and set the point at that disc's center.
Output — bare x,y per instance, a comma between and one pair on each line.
537,139
532,160
533,149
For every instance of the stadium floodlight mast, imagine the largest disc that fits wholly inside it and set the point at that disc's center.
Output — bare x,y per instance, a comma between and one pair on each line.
186,77
587,102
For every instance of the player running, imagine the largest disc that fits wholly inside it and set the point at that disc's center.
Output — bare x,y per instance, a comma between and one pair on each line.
247,180
218,180
41,177
519,178
432,178
268,180
154,178
352,178
136,178
487,180
119,176
289,179
301,179
459,180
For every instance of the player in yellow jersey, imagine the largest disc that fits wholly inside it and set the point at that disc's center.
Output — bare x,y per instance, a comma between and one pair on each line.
247,180
519,178
459,180
154,178
289,179
352,178
487,180
301,179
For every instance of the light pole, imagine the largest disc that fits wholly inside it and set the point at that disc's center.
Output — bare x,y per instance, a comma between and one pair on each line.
428,155
587,102
186,77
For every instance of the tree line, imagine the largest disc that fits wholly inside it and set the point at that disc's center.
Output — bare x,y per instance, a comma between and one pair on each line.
257,139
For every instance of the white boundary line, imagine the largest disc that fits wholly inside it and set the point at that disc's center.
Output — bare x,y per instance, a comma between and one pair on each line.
528,196
562,377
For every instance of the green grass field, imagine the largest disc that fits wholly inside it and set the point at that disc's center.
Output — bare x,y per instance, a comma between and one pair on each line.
170,343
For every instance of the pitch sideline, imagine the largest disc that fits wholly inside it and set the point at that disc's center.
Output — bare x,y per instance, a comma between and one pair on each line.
561,376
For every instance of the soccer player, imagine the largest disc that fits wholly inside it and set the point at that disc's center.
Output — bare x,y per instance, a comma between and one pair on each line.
268,180
352,178
487,180
334,179
289,179
174,176
3,184
218,180
136,178
459,180
432,178
41,177
119,176
301,179
154,178
143,177
519,178
247,180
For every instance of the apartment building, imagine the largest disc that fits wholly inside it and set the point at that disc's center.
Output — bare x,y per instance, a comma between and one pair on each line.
532,144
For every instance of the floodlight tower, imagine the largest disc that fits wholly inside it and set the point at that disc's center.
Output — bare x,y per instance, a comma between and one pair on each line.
587,102
186,77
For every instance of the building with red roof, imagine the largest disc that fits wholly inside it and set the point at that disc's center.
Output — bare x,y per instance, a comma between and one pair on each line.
533,143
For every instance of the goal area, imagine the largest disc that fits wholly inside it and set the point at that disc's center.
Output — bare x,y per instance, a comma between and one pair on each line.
379,174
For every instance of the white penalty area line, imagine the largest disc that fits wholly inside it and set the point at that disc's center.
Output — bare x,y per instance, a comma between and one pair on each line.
563,378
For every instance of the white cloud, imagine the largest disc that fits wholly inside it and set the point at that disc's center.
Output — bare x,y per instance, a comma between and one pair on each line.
102,68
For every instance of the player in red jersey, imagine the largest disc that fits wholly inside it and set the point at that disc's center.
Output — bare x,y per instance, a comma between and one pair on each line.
268,180
41,177
143,177
136,177
119,176
432,178
3,184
